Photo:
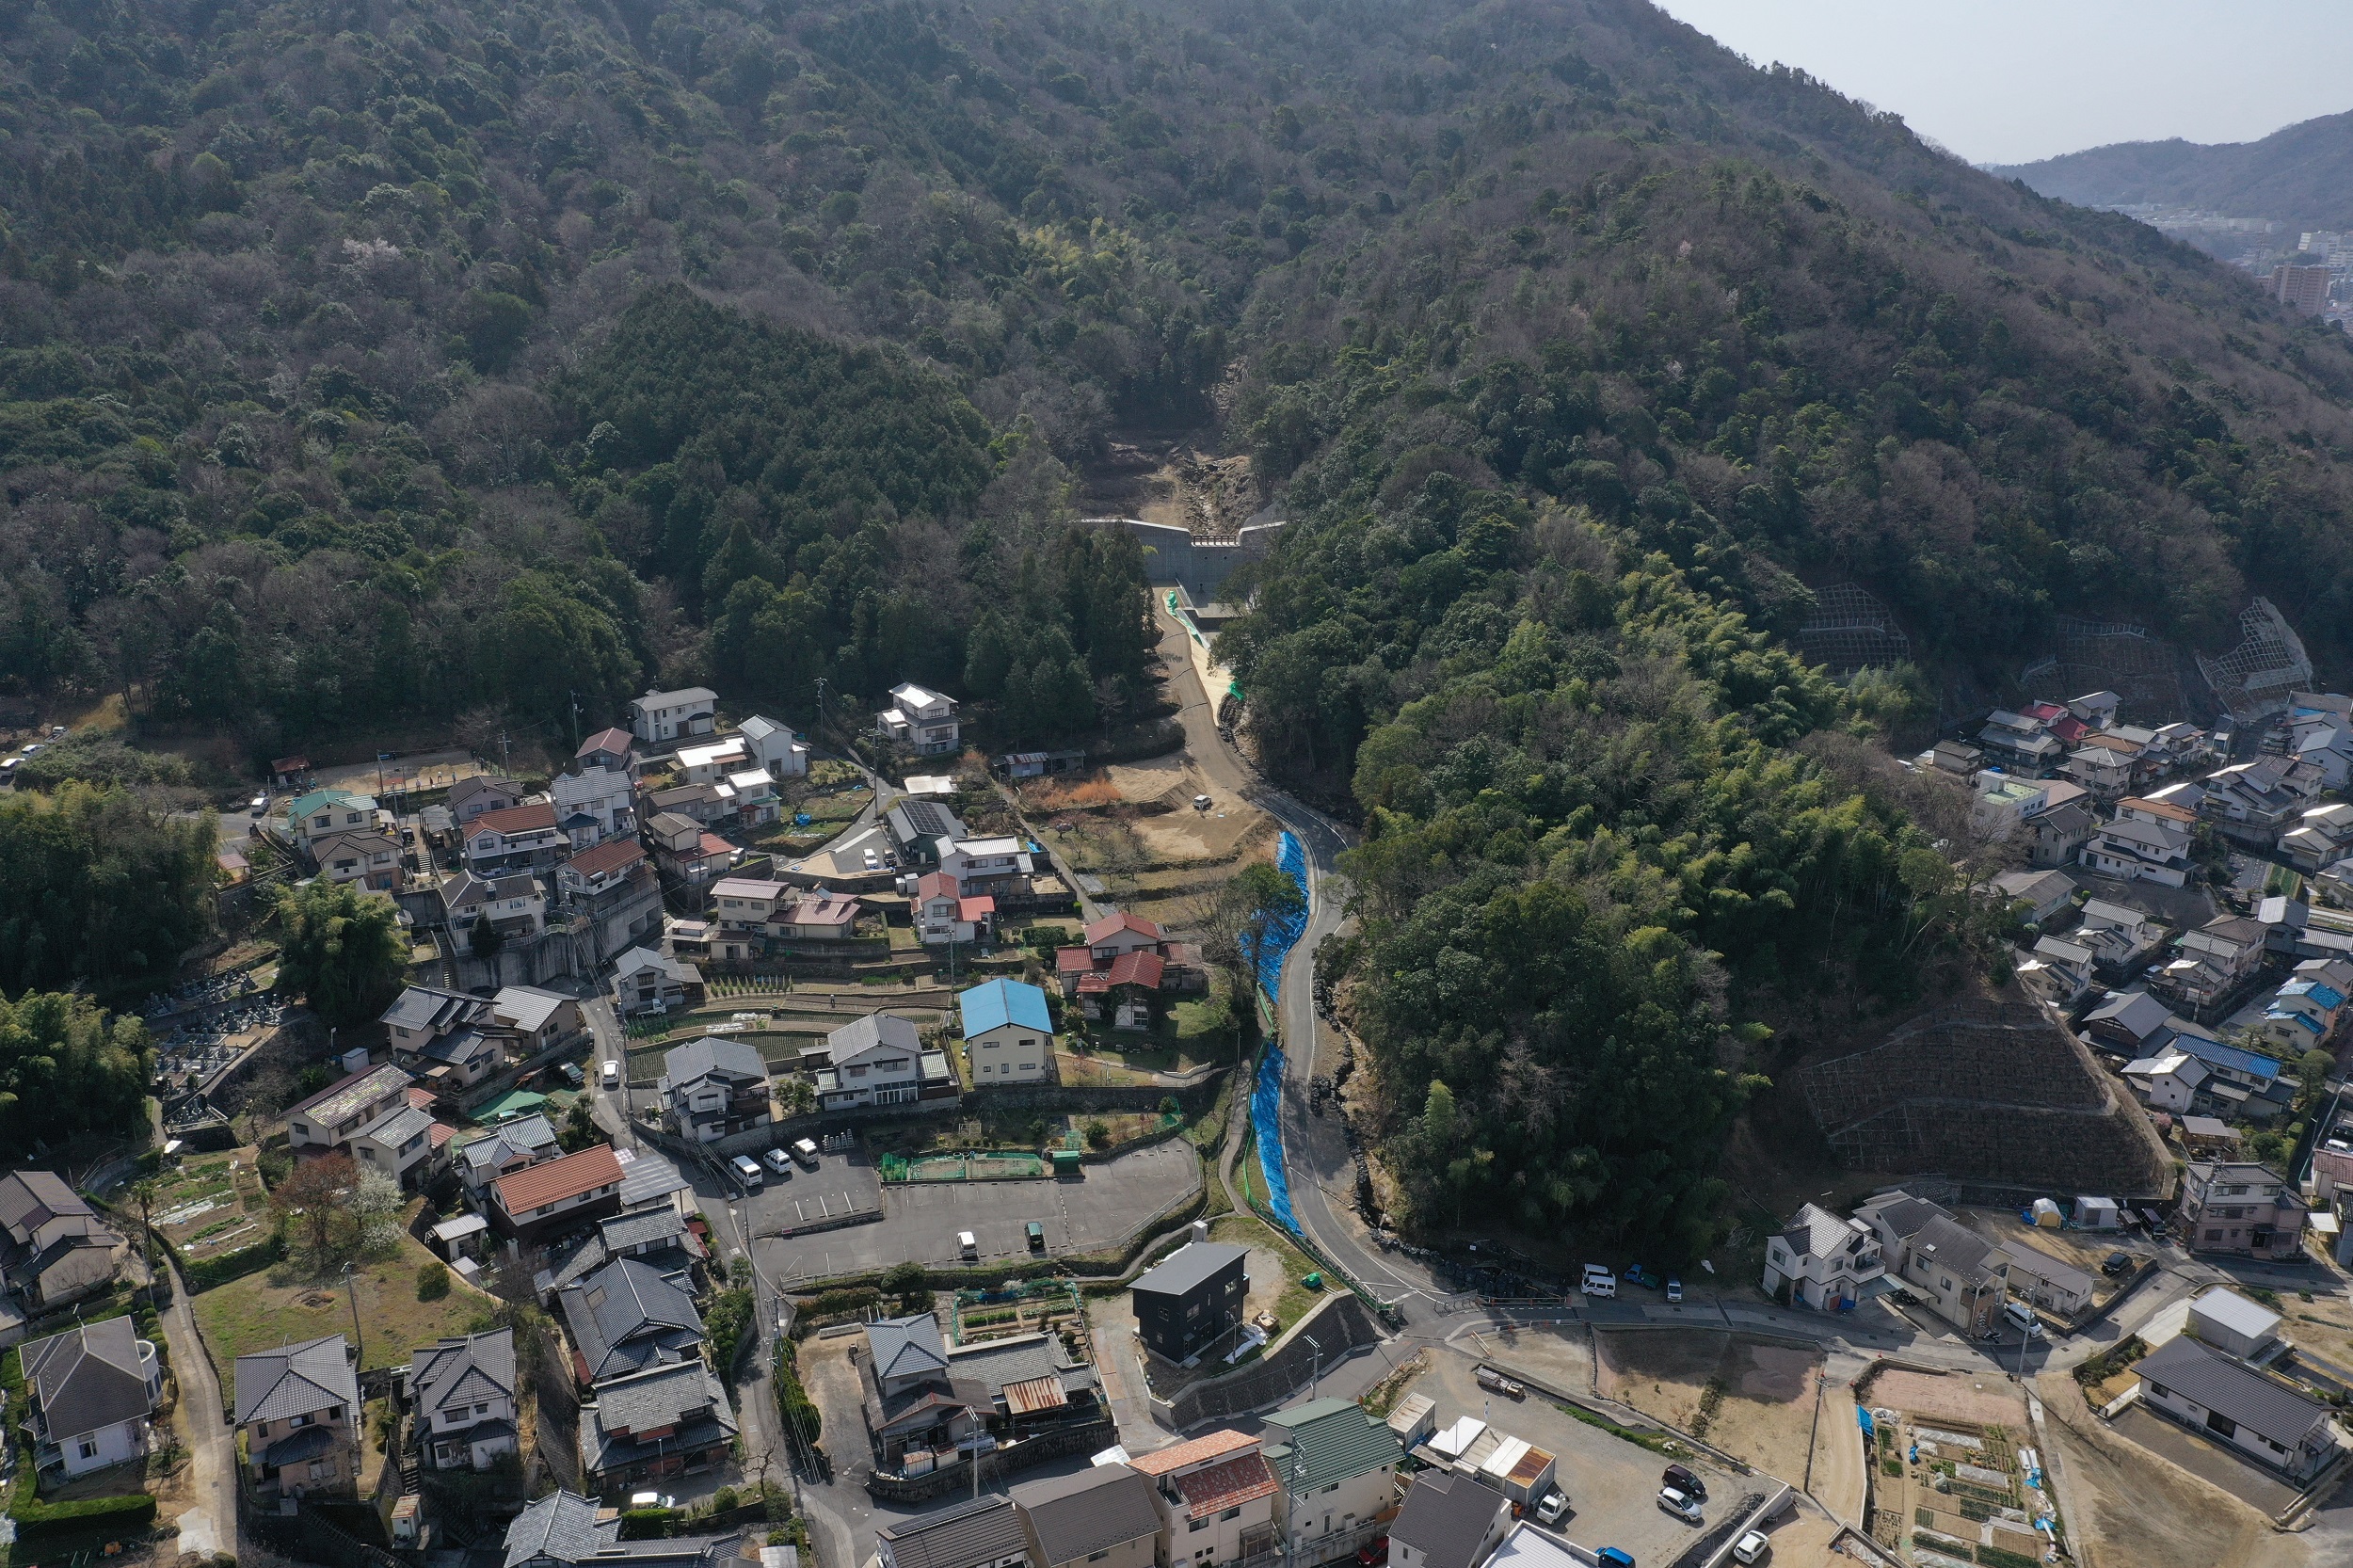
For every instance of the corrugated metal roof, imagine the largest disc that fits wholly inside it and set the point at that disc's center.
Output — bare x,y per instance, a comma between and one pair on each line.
1032,1395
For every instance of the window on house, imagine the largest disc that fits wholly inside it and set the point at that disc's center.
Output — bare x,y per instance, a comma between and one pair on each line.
1198,1525
88,1448
1231,1514
299,1422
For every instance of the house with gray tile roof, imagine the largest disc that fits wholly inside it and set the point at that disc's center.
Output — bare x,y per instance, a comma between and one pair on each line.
985,1532
1101,1516
463,1390
653,1422
1448,1521
92,1389
627,1316
512,1146
298,1407
2256,1416
561,1530
905,1352
56,1247
656,1236
1821,1259
714,1086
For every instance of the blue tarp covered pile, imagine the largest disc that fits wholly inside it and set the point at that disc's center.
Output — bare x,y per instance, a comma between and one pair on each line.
1292,862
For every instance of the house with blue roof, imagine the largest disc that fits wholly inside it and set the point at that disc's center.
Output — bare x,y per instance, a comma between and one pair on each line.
1008,1034
2301,1017
2240,1084
323,813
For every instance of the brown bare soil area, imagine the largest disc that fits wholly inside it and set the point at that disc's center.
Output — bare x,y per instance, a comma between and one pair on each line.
1761,1392
2136,1510
1985,1397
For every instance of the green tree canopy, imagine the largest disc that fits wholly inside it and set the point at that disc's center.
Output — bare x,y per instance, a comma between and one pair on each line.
340,949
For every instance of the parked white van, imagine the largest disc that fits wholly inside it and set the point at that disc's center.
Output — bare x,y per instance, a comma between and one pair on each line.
747,1171
2021,1318
967,1246
1599,1281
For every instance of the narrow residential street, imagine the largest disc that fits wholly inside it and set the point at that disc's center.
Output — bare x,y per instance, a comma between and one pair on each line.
211,1525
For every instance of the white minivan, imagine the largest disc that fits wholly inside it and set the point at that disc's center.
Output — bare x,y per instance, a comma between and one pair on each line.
2021,1318
1599,1281
778,1162
747,1171
610,1078
966,1247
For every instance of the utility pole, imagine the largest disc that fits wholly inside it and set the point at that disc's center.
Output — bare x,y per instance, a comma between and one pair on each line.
1315,1374
360,1339
575,697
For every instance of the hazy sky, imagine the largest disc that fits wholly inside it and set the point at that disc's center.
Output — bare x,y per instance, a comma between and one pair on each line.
2010,81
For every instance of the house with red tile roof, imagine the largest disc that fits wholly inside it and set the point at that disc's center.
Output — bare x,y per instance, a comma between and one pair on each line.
539,1201
1215,1494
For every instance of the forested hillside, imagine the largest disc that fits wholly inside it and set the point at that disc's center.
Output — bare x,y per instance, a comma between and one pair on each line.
2301,174
389,359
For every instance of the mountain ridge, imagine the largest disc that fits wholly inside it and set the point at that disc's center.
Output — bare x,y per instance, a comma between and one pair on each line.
2300,173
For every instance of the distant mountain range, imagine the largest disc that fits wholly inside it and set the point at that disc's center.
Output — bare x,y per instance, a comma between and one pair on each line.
2302,174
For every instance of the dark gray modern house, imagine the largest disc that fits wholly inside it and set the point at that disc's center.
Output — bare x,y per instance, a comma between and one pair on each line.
1186,1303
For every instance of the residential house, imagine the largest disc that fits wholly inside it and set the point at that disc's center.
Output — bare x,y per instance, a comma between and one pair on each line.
2105,767
1337,1467
714,1087
993,867
774,749
613,750
753,794
711,763
2046,895
943,915
626,1316
370,1117
539,1021
1956,757
655,1236
2096,708
1215,1498
58,1248
615,891
515,1144
2334,885
921,719
1821,1260
2319,838
2057,969
91,1391
558,1194
2046,1282
2242,1083
752,912
2234,1326
566,1530
1449,1520
670,1419
514,902
699,804
1026,1385
645,981
1117,935
2254,802
462,1390
2130,1024
985,1532
2242,1208
877,1060
2211,962
298,1413
2317,729
2020,743
2259,1416
2302,1016
660,716
2055,837
1101,1516
2167,1081
368,856
2120,937
514,839
484,793
1008,1034
922,831
323,813
449,1040
1190,1300
688,853
2142,846
913,1405
1964,1276
593,802
2004,802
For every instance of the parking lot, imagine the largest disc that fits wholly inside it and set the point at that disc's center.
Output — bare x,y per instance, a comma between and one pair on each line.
921,1220
1612,1484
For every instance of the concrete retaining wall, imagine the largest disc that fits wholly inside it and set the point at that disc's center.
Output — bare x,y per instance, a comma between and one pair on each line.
1342,1325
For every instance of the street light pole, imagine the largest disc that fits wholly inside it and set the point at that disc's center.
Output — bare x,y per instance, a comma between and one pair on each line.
351,1289
1315,1374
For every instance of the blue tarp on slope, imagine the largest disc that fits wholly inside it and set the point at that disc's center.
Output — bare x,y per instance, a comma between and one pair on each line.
1291,861
1265,1120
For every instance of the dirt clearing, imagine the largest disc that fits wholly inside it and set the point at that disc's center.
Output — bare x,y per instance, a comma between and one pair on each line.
1986,1398
1748,1397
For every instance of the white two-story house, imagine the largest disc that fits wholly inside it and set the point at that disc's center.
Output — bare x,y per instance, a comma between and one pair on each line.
1823,1260
877,1060
660,716
920,719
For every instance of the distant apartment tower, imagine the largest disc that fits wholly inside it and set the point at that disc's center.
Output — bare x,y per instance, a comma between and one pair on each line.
2304,287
